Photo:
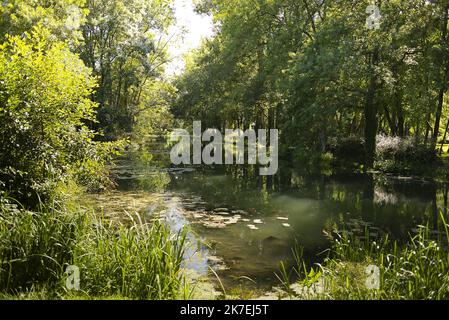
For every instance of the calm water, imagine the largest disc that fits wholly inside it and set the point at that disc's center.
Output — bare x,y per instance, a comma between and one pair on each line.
250,224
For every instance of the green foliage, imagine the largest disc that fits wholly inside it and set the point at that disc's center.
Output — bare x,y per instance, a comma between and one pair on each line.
141,262
125,46
44,109
313,70
136,261
416,270
73,72
35,247
62,17
403,150
153,117
124,43
404,156
348,149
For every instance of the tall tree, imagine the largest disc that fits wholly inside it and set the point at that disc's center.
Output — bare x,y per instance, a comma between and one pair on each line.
125,44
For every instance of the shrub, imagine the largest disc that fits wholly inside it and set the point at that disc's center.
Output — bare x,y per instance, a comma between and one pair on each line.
402,150
44,108
351,148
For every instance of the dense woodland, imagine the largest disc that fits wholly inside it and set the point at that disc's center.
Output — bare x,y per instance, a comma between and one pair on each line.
315,71
76,76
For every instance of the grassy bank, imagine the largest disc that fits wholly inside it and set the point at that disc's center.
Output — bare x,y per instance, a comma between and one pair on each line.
132,260
367,269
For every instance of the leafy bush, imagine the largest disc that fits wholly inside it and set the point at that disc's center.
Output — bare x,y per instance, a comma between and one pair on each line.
350,148
402,150
44,108
392,153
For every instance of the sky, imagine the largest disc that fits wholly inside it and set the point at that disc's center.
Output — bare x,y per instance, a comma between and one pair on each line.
196,28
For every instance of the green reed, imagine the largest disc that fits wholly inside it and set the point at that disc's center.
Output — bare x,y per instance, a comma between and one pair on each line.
416,269
140,262
135,260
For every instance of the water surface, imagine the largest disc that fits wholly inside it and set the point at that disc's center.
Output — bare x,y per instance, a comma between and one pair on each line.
249,224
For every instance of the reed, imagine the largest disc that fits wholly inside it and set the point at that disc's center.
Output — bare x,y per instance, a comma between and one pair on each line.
134,260
417,269
141,261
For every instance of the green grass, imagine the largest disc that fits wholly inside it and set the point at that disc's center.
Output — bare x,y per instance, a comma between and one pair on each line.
139,262
135,260
35,246
418,269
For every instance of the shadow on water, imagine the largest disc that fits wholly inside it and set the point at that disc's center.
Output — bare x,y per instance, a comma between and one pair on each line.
252,222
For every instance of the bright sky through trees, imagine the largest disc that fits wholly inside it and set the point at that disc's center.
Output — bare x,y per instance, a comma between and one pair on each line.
190,29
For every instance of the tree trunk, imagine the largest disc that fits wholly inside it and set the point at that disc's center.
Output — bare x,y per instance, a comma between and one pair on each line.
371,113
442,89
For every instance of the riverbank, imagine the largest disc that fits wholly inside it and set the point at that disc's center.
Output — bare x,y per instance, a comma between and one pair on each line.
241,232
113,250
365,269
129,259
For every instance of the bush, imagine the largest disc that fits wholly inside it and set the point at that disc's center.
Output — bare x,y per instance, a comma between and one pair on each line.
402,150
351,148
44,107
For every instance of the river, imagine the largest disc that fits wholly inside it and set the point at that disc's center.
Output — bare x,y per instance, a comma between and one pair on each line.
246,224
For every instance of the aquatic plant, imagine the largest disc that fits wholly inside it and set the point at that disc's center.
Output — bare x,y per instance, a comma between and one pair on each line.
140,262
417,269
134,260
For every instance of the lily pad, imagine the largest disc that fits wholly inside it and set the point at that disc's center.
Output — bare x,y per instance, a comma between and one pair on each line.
252,227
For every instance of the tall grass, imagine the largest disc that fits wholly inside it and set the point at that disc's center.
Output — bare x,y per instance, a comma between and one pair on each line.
134,260
35,246
140,262
418,269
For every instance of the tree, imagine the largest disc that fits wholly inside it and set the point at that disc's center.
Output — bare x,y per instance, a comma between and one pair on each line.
314,70
125,45
44,105
63,18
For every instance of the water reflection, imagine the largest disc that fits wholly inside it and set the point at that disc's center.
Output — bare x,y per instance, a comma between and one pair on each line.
196,254
300,210
252,222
